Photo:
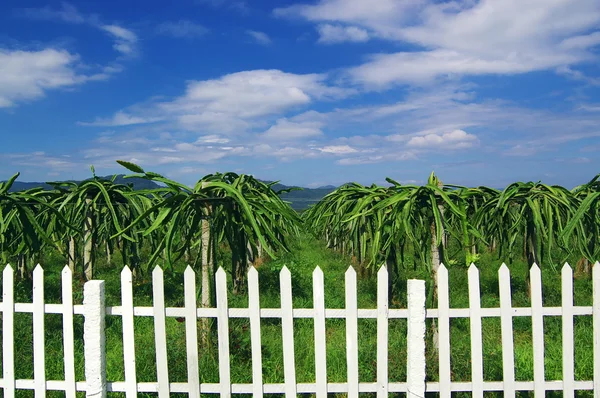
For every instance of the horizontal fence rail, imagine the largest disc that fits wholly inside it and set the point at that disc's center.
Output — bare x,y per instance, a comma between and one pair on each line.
95,311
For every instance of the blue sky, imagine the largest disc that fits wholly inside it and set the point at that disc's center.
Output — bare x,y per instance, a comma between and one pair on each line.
307,92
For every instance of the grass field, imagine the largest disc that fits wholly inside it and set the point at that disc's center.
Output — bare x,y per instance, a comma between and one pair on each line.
306,254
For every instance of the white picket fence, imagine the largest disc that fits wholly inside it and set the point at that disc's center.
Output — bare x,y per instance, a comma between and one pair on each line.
94,312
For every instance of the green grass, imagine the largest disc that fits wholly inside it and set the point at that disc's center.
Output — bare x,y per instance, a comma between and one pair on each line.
306,254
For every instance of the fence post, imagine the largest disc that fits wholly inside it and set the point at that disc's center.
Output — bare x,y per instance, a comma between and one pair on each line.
94,340
415,368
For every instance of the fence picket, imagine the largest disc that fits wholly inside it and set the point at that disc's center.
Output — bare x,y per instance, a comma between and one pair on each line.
68,339
567,332
255,338
223,333
382,332
128,332
508,355
444,331
596,327
39,351
351,333
287,329
537,330
415,339
160,332
476,335
320,333
8,338
94,339
191,332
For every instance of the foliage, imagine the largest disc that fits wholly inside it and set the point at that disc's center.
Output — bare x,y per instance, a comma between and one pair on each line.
244,213
377,224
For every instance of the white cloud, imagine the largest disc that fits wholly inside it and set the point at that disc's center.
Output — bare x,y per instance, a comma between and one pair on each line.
287,153
120,33
283,153
125,39
338,149
259,37
377,158
121,119
287,130
28,75
464,37
40,159
590,107
577,75
421,67
236,102
252,93
153,150
181,29
213,139
329,34
444,108
581,42
360,160
219,122
457,139
381,13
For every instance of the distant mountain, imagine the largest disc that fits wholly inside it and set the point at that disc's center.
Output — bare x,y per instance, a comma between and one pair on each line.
332,187
302,199
299,200
22,186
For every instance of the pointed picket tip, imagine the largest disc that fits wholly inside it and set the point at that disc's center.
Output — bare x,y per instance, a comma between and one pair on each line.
221,272
566,267
382,277
503,270
126,271
350,271
8,268
38,270
285,271
252,271
66,270
473,270
157,270
318,271
442,269
534,266
188,270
